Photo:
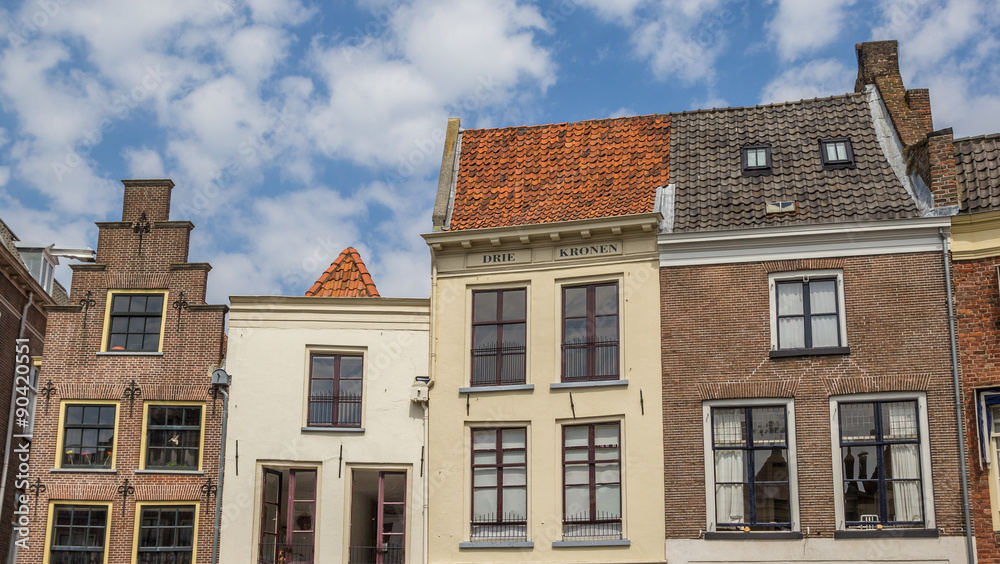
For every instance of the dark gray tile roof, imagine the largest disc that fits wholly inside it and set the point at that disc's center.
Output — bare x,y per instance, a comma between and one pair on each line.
977,165
712,193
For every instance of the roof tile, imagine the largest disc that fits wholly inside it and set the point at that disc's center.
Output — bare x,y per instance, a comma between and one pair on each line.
977,166
347,277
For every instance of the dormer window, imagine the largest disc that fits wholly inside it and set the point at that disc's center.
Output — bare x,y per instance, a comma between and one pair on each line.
756,160
836,153
40,263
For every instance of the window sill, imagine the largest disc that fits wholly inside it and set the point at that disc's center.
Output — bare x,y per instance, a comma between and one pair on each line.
753,535
504,388
128,353
886,533
582,543
333,429
84,470
588,384
497,544
781,353
171,472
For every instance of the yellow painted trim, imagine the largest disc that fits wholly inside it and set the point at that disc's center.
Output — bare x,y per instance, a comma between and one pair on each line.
81,503
139,505
36,360
145,423
107,314
61,434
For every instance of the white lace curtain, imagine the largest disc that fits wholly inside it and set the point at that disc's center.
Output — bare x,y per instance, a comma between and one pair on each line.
729,467
905,461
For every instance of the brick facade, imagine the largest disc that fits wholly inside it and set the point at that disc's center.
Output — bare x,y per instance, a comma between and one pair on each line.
977,315
15,286
716,341
79,369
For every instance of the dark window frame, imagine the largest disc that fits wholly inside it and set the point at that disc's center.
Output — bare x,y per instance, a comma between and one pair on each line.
501,527
183,431
756,170
56,550
749,463
806,316
594,525
504,356
83,427
151,554
834,164
881,447
591,346
119,337
345,409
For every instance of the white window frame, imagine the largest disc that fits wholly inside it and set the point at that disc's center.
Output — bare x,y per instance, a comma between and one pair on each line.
793,478
926,471
805,275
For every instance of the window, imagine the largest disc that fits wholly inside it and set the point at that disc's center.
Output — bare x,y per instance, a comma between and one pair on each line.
592,492
135,322
378,517
498,337
88,436
166,534
988,419
499,484
806,314
880,454
79,534
173,437
335,390
750,448
590,332
836,153
756,160
288,516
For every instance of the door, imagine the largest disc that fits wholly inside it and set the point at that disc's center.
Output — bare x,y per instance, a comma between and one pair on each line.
270,516
300,517
391,518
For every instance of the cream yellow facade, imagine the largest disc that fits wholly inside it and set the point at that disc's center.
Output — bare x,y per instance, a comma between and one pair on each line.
545,259
348,469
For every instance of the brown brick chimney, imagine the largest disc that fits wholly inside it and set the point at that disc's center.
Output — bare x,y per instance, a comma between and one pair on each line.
150,196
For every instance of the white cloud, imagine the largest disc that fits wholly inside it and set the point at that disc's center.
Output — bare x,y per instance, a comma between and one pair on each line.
813,79
254,51
4,175
800,28
143,163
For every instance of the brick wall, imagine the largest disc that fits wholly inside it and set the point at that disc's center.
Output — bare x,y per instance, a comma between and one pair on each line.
716,338
191,347
977,317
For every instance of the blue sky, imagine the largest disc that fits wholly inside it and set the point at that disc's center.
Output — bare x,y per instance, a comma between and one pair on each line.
295,128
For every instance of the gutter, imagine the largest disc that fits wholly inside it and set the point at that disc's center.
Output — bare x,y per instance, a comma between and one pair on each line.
969,542
10,419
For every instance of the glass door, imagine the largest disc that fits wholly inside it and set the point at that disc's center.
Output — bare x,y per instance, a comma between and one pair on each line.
378,517
269,519
301,517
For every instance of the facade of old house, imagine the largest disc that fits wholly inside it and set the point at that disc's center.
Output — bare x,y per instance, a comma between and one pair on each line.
545,386
328,419
125,454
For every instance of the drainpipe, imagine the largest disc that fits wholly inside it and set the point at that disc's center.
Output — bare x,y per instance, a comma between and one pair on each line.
220,382
970,544
13,407
427,475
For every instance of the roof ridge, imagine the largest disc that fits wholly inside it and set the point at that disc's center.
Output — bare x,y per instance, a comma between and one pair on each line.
771,105
361,285
563,123
983,136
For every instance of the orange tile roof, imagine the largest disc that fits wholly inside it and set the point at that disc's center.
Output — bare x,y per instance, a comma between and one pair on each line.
560,172
347,277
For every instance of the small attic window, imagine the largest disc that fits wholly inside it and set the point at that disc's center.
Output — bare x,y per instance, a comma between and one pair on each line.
836,153
756,160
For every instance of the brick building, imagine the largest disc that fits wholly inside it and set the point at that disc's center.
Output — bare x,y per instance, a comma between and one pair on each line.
126,445
976,258
806,356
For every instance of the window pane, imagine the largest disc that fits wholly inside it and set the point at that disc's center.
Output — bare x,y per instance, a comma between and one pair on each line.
606,329
514,457
484,306
484,439
752,158
789,298
484,336
607,472
609,501
154,304
322,388
575,302
606,299
488,457
576,331
119,304
823,296
768,425
729,466
729,426
514,477
899,420
577,501
107,415
825,331
513,335
484,503
606,435
513,438
791,333
857,422
729,504
903,501
515,502
577,474
484,477
138,304
305,485
773,467
322,366
394,487
351,367
576,436
514,304
773,503
902,462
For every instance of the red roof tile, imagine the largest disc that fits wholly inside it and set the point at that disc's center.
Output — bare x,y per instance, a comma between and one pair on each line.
561,172
347,277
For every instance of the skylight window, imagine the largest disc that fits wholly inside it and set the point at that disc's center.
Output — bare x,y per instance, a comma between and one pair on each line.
836,153
756,160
